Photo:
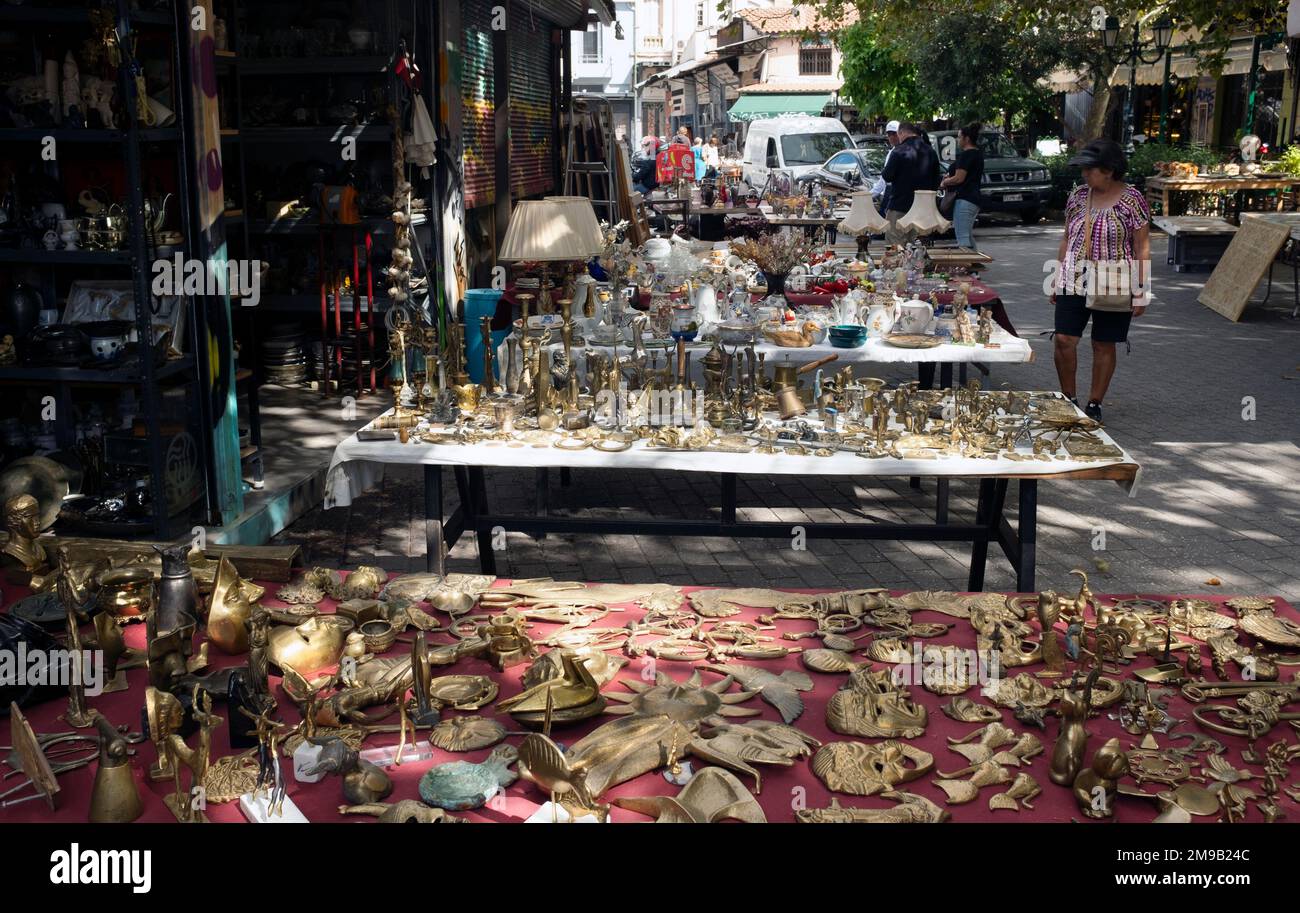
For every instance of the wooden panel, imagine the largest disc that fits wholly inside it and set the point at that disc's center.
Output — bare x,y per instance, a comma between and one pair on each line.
1244,263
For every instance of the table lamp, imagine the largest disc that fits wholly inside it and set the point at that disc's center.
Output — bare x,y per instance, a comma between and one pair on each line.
863,220
556,229
923,218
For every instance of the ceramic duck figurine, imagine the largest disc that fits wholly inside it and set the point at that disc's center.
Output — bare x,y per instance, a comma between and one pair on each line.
460,785
792,339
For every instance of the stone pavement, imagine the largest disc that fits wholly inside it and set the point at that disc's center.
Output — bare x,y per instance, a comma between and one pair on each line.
1211,409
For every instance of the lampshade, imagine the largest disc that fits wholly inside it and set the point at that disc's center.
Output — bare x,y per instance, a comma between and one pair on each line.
556,228
923,218
863,217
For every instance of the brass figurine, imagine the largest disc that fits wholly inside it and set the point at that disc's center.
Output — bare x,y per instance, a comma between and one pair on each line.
165,717
1072,741
1095,788
23,550
229,611
911,809
363,782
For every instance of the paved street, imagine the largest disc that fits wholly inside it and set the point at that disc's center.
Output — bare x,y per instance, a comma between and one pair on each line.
1218,498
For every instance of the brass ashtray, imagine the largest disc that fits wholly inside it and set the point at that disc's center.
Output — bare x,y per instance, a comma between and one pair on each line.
126,592
379,635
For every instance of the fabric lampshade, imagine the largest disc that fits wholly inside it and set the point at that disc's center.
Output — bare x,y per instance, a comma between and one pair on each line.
863,217
923,218
556,228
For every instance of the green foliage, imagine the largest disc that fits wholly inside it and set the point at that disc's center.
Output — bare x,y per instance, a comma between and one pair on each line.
878,77
1286,163
977,57
1142,163
1064,178
974,67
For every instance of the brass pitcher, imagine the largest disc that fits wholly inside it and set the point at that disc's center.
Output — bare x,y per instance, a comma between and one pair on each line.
788,402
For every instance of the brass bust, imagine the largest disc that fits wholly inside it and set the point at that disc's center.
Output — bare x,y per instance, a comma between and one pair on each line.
22,513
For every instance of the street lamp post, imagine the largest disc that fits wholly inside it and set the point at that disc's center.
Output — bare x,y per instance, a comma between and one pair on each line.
1134,54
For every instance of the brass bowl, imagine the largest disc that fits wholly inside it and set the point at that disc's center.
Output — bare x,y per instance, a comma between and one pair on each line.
453,602
126,592
380,635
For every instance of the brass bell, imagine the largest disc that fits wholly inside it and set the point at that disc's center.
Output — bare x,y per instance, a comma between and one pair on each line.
115,798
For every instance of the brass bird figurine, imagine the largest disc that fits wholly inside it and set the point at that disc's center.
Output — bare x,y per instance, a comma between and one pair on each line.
781,691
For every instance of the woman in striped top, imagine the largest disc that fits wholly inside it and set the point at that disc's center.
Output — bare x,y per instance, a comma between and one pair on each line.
1107,239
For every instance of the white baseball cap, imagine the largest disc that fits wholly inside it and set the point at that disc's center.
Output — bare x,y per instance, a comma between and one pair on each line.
891,127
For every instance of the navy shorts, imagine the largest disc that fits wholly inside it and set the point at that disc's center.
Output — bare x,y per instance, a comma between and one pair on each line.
1072,315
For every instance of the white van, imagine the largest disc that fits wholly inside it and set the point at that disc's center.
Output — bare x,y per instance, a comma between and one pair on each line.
793,144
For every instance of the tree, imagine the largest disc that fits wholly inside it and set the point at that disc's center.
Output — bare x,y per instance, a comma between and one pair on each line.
878,78
971,68
1071,29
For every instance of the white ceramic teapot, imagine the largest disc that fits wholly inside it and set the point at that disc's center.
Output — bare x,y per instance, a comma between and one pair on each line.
915,316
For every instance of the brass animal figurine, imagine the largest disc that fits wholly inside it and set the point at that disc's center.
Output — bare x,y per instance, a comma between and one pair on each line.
166,717
363,782
1095,788
1072,741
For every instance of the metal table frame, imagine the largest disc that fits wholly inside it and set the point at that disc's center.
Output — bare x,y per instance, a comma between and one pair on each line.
991,524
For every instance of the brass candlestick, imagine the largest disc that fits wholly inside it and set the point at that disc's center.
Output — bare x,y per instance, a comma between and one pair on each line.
485,327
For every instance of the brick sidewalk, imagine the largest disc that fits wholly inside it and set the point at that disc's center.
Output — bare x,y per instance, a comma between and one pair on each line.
1219,495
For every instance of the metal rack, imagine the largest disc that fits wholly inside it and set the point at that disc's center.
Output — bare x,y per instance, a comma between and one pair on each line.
147,375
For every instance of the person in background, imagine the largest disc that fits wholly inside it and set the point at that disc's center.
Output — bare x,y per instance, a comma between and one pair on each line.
880,189
712,160
685,131
964,180
643,166
1106,222
698,148
731,149
912,165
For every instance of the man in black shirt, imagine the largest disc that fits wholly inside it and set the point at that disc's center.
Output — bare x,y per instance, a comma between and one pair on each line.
912,165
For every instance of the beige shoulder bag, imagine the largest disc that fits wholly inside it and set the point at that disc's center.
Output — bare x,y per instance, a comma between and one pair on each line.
1108,275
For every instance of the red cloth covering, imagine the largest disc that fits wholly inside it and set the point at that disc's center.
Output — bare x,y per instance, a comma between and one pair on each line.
781,787
675,159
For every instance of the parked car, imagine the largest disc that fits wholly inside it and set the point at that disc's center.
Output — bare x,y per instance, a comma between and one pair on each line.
793,145
849,170
1011,183
868,140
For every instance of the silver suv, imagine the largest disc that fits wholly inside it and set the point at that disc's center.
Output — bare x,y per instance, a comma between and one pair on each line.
1011,183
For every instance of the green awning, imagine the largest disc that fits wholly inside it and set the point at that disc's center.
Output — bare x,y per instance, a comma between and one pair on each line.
756,107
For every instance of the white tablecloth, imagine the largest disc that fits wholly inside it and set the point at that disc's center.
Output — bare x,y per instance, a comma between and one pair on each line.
359,465
1007,349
